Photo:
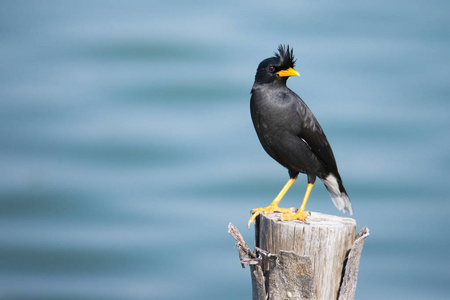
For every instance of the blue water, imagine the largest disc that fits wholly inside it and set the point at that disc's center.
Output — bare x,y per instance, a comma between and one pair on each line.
127,146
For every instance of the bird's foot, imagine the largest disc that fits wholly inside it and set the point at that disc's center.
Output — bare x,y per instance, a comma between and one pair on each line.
268,210
299,215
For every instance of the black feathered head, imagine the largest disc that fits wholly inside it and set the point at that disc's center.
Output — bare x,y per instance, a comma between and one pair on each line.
286,57
277,68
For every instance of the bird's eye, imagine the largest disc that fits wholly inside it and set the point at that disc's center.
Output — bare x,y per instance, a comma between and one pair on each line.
271,69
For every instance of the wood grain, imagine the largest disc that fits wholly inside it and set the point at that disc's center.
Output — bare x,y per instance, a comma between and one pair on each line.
313,260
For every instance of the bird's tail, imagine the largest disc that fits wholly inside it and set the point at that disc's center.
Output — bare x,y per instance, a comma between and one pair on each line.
337,192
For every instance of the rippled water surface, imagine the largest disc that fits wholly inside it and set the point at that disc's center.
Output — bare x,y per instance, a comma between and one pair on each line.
127,146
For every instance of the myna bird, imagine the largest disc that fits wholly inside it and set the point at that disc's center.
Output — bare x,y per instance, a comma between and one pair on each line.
291,134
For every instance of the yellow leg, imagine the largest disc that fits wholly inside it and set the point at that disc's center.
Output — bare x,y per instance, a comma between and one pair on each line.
273,207
300,214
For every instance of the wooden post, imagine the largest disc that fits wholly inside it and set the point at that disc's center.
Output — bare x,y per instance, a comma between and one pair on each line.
317,259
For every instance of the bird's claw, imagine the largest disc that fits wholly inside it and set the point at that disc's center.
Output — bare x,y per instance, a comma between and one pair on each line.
268,210
299,215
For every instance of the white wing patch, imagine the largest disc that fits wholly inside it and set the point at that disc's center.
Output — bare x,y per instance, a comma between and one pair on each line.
306,143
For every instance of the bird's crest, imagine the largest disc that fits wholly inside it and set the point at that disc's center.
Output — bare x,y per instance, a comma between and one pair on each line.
286,57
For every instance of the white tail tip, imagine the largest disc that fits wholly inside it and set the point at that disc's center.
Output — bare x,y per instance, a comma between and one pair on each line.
340,199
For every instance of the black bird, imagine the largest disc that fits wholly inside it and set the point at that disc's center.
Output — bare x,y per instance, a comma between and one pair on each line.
291,134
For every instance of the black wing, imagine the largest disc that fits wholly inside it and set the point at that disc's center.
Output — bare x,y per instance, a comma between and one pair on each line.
312,134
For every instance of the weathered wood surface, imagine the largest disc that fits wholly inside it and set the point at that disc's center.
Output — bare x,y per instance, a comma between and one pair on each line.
316,259
324,238
291,276
348,285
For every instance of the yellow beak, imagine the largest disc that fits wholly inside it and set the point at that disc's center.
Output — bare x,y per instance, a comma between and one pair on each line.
288,72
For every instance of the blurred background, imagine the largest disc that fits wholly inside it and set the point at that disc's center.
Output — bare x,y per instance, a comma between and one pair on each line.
126,144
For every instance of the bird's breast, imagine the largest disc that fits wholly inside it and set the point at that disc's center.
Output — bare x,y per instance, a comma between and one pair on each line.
274,114
275,119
